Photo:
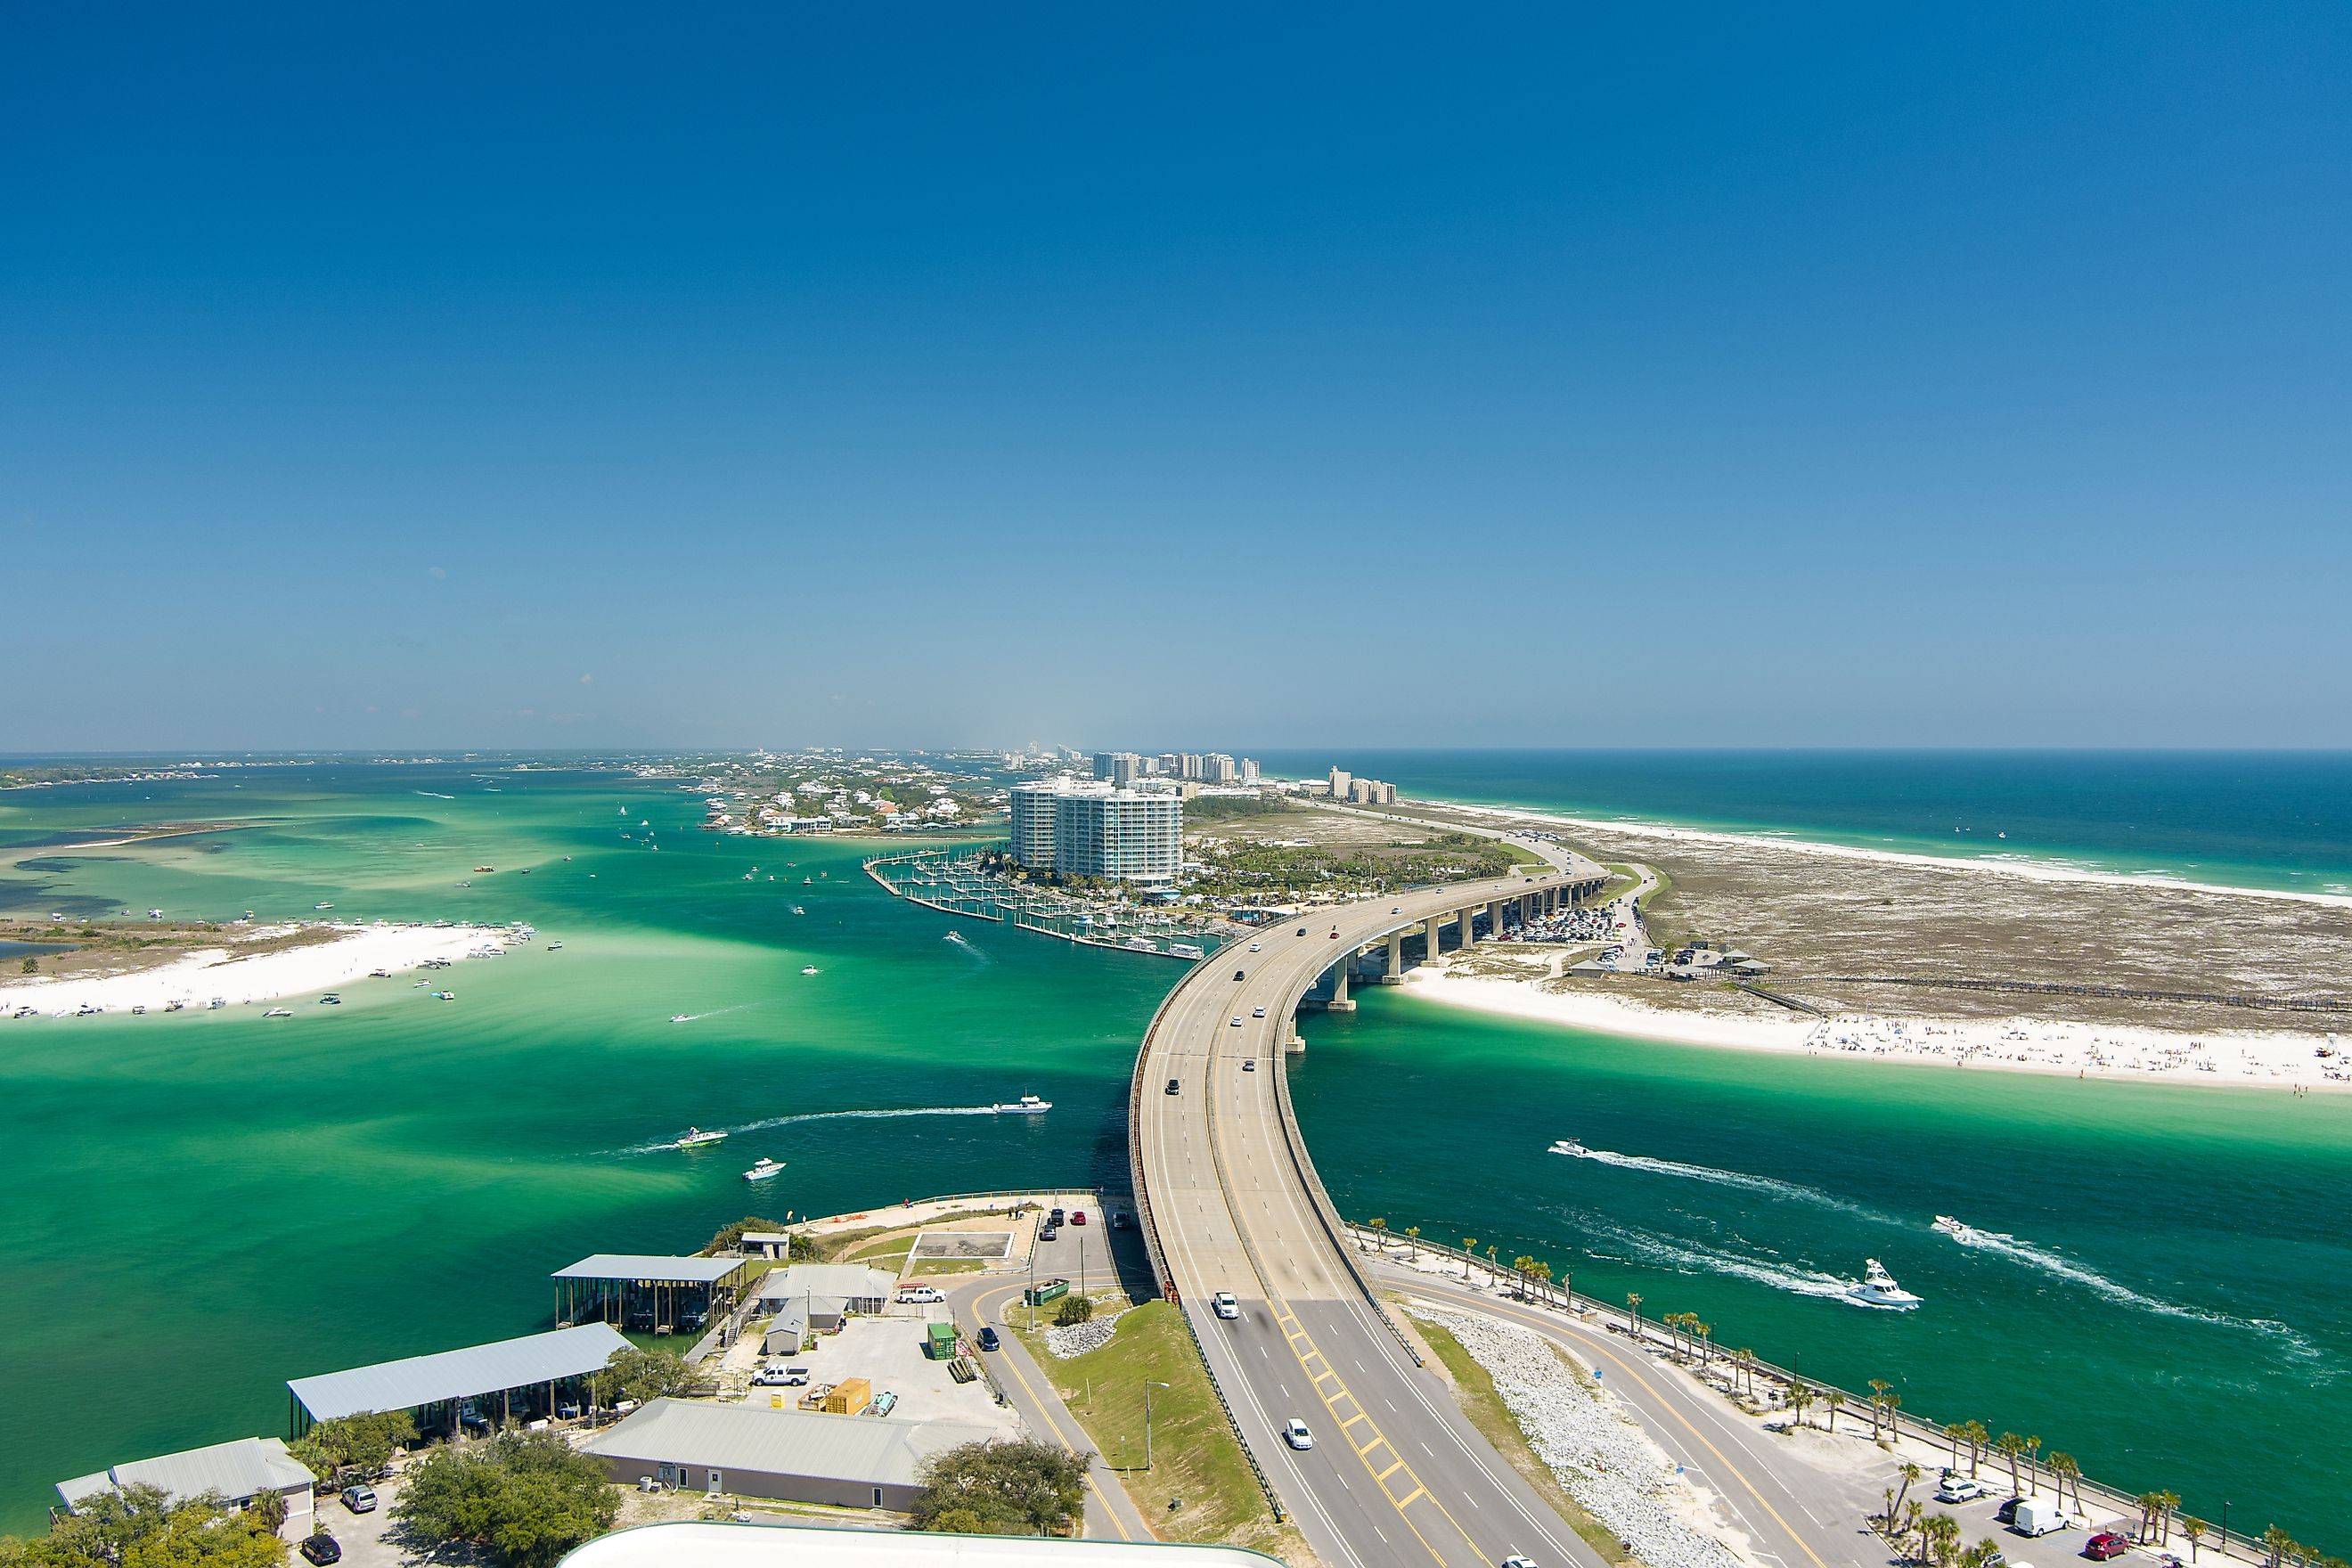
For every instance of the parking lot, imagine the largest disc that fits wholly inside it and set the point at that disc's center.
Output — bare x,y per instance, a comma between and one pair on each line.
1982,1517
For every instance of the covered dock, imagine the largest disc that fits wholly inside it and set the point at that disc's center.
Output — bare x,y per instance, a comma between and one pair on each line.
650,1294
526,1377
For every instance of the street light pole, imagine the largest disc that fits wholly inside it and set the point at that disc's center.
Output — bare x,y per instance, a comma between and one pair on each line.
1147,1386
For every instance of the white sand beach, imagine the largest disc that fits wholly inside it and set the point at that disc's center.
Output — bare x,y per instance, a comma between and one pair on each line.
196,979
2275,1059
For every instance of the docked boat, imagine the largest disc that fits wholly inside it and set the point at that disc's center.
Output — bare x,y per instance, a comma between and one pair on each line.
1879,1289
1027,1105
1185,949
762,1168
173,1005
279,1013
696,1138
1567,1146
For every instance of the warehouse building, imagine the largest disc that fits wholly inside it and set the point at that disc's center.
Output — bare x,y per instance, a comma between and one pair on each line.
237,1472
535,1375
792,1456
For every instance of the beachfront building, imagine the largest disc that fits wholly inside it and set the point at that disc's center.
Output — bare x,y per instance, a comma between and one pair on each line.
1033,822
789,1455
1124,835
652,1295
235,1472
535,1375
1217,768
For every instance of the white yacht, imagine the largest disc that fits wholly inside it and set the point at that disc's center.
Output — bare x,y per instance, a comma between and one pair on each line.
762,1168
808,968
1879,1289
1567,1146
696,1138
1027,1105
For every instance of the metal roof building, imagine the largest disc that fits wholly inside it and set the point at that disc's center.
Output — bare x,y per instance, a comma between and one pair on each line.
427,1383
806,1455
650,1292
814,1546
238,1471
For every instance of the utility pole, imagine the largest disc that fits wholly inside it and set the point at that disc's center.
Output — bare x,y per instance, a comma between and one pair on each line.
1147,1386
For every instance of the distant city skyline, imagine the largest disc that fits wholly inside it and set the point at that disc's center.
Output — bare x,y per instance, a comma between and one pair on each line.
1849,377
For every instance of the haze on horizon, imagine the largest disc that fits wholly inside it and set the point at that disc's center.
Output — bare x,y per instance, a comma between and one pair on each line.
520,379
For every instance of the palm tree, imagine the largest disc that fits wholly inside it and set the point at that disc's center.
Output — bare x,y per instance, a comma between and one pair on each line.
1956,1431
1634,1313
1540,1272
1941,1536
2009,1446
1413,1239
2149,1504
2190,1526
2063,1467
1913,1518
1519,1266
1833,1399
2166,1502
2033,1460
1746,1360
1878,1387
1469,1250
1978,1437
1800,1394
1380,1229
1909,1474
2276,1543
1982,1555
1706,1340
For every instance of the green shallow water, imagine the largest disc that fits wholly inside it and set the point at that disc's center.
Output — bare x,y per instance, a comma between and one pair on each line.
204,1205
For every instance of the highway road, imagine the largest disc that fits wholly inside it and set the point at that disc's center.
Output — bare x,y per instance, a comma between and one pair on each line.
1397,1475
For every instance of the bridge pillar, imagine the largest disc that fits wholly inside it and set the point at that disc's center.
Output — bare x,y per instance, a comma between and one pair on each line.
1339,1000
1394,973
1434,946
1469,926
1494,918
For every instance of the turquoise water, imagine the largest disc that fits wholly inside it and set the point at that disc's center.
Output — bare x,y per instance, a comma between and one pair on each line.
204,1205
2256,819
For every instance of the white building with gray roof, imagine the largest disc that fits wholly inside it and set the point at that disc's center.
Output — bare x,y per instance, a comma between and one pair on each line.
799,1456
236,1473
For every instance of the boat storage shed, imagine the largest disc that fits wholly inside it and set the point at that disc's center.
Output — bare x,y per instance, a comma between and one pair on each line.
510,1378
652,1294
797,1455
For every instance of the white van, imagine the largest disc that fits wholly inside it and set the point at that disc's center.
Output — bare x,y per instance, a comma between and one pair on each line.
2035,1517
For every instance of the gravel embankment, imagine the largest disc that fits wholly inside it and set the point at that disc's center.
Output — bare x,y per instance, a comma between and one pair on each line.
1080,1338
1603,1459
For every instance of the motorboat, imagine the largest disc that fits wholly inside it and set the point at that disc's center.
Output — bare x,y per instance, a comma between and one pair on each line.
1879,1289
445,995
1567,1146
332,999
279,1013
762,1168
1966,1235
798,911
808,968
173,1005
696,1138
322,906
1027,1105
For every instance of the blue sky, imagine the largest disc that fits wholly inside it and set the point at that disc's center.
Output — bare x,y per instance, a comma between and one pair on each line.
580,376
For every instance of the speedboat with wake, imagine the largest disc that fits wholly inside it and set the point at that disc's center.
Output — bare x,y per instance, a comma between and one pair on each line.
1879,1289
762,1168
1567,1146
696,1138
1027,1105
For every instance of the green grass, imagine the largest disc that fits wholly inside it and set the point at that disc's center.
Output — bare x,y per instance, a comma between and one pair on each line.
1196,1455
891,1254
1474,1390
951,1266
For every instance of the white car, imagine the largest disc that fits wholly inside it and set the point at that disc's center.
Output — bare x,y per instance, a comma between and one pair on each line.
1515,1561
1237,1020
1295,1433
1258,1011
1223,1305
919,1296
1958,1489
1254,946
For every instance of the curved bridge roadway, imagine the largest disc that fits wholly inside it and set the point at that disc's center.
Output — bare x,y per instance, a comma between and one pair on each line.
1230,1201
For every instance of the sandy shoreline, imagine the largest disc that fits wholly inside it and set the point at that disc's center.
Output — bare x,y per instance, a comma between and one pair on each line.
2023,866
2275,1060
198,977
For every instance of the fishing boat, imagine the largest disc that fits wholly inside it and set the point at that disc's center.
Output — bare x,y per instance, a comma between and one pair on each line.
808,968
1964,1233
1879,1289
322,906
1567,1146
696,1138
279,1013
762,1168
1027,1105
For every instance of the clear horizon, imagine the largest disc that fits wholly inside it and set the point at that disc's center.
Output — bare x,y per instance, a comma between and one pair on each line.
1843,380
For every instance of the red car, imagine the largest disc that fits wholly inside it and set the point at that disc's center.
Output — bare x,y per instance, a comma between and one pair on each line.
2104,1545
1078,1216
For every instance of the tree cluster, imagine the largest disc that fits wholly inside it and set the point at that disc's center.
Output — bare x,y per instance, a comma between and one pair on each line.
353,1445
635,1373
520,1501
1001,1489
140,1527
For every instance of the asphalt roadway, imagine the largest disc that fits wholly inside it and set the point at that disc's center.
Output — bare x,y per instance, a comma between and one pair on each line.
1397,1474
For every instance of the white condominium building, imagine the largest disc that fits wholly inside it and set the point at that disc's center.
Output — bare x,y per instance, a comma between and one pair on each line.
1085,828
1033,822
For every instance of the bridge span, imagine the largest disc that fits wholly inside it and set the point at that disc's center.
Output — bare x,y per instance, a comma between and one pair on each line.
1229,1201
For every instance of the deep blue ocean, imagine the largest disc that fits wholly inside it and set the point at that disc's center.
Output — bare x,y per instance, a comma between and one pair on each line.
2251,819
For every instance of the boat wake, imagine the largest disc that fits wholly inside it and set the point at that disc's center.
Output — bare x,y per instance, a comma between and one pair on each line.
2059,1266
1689,1258
1765,1185
436,794
668,1146
969,946
718,1012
